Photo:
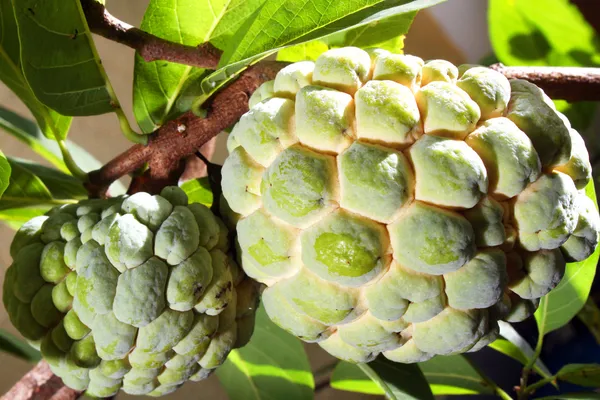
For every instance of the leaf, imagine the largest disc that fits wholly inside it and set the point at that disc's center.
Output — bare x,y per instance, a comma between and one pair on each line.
382,377
541,32
163,89
387,34
559,306
198,191
5,171
272,366
590,316
29,133
580,374
33,185
17,347
59,59
16,217
303,51
278,24
516,347
281,23
52,124
350,377
453,375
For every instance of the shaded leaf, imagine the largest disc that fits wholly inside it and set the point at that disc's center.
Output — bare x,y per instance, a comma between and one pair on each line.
17,347
59,59
559,306
350,377
52,124
516,347
580,374
5,171
198,191
398,381
272,366
453,375
590,316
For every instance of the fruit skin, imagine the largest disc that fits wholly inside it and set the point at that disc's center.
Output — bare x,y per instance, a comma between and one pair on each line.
406,207
137,293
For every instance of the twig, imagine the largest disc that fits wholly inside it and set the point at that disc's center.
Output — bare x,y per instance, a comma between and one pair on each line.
566,83
523,392
150,47
40,383
181,137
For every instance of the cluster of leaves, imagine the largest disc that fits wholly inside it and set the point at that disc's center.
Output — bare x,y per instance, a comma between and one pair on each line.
48,59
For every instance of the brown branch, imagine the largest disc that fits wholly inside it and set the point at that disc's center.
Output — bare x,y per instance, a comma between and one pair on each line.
566,83
183,136
40,384
150,47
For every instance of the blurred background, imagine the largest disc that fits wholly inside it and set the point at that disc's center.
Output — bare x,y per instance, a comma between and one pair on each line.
458,31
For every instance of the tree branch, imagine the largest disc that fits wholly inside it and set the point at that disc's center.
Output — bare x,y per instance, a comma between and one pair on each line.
184,135
41,384
150,47
566,83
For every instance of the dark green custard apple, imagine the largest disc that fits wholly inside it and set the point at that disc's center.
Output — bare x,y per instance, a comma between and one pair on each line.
403,207
136,293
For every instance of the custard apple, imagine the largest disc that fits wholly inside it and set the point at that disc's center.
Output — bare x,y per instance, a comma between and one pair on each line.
136,292
403,207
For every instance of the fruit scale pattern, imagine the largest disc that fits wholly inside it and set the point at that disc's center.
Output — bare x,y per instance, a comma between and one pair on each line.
403,207
136,293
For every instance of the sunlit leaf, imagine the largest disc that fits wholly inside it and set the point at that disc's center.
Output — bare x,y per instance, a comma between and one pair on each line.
453,375
581,374
198,191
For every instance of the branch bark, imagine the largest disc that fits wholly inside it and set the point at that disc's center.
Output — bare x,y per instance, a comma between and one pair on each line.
150,47
41,384
183,136
565,83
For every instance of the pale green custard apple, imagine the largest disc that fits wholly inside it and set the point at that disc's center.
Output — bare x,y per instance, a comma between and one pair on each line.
136,293
403,207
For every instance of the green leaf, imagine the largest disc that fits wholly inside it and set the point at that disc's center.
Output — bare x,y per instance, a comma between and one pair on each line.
52,124
590,316
16,217
395,381
29,133
516,347
5,171
272,366
387,34
559,306
59,59
281,23
350,377
453,375
580,374
33,185
302,51
541,32
278,24
163,89
17,347
198,191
